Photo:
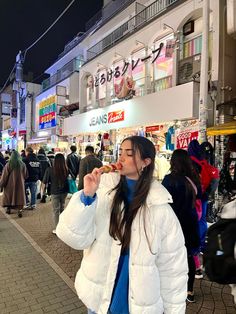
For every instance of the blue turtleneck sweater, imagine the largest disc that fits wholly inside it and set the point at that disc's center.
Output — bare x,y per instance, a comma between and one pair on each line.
119,301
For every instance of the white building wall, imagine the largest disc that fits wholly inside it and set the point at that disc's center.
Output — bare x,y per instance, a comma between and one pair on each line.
175,18
178,103
74,88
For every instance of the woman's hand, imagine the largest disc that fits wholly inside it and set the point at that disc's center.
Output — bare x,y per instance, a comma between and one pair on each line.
91,182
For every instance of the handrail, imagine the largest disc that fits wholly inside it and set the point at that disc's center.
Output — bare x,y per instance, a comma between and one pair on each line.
69,68
140,19
107,12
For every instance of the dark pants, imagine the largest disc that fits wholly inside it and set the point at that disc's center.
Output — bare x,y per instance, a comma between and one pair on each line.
191,272
32,186
58,204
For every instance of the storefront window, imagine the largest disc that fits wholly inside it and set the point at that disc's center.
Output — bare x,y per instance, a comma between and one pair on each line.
138,72
118,85
89,89
163,66
192,47
101,87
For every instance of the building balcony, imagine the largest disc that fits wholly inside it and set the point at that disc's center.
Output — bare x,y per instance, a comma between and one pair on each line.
129,27
66,71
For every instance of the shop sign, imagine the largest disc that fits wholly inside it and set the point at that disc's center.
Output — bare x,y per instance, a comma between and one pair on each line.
47,121
47,113
106,118
118,71
154,128
185,137
116,116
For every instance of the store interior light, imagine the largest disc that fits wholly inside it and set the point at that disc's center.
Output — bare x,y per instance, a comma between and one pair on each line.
42,133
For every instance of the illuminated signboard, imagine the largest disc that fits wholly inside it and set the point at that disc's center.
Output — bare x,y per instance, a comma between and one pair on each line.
47,113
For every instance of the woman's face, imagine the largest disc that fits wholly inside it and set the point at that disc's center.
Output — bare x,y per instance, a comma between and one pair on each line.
131,162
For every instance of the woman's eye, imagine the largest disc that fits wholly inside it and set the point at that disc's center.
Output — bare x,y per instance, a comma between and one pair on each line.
130,154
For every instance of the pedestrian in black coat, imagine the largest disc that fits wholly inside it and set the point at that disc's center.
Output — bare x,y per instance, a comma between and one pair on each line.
183,184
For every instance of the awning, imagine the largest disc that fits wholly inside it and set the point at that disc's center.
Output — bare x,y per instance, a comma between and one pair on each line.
222,129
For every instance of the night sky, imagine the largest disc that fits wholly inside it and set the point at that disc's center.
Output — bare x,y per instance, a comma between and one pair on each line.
23,21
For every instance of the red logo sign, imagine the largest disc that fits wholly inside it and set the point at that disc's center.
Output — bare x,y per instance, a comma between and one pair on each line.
116,116
154,128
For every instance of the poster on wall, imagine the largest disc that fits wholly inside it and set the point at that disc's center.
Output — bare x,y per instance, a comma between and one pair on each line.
185,136
89,88
164,63
47,113
123,85
103,85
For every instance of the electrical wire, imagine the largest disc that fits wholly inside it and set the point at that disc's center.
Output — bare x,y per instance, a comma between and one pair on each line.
40,37
5,84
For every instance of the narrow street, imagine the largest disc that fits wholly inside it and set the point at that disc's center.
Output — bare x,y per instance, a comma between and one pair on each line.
37,270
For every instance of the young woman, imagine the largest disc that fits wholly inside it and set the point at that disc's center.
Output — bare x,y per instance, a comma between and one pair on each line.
13,184
134,260
56,176
184,185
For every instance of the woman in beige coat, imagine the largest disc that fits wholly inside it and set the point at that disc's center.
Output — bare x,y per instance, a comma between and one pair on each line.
13,184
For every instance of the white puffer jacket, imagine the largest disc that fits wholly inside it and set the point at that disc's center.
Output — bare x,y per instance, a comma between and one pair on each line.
157,279
229,212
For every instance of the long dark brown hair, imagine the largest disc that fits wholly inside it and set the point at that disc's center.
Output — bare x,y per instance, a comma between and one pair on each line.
60,170
182,165
122,214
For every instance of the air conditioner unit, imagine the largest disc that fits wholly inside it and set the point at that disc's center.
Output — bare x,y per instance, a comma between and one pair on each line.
189,68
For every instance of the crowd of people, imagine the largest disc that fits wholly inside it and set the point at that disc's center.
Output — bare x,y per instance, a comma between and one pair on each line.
136,232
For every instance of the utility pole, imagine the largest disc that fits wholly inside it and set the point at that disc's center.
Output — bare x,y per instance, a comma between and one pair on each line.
18,85
203,115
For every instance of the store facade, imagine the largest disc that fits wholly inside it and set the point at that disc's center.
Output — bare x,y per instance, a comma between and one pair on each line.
174,124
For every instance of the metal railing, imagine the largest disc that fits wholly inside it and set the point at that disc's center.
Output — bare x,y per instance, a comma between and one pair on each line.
107,12
72,66
136,22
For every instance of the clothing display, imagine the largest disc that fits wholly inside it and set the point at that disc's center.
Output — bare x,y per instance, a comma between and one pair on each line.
162,166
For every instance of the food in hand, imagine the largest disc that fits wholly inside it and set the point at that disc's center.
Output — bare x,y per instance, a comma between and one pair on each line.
111,168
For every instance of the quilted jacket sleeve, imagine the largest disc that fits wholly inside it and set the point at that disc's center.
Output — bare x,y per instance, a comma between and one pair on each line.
76,225
172,264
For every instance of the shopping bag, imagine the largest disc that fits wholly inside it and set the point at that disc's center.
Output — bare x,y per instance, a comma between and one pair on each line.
72,188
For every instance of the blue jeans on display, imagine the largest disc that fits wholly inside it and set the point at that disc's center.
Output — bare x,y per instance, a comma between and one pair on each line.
32,186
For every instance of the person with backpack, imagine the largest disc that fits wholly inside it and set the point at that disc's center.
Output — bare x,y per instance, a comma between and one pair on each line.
207,174
183,184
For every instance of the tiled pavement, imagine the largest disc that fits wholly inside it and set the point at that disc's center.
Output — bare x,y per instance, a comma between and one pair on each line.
211,297
28,284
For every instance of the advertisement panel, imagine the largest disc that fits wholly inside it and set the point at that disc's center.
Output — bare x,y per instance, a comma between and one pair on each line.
47,113
185,136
